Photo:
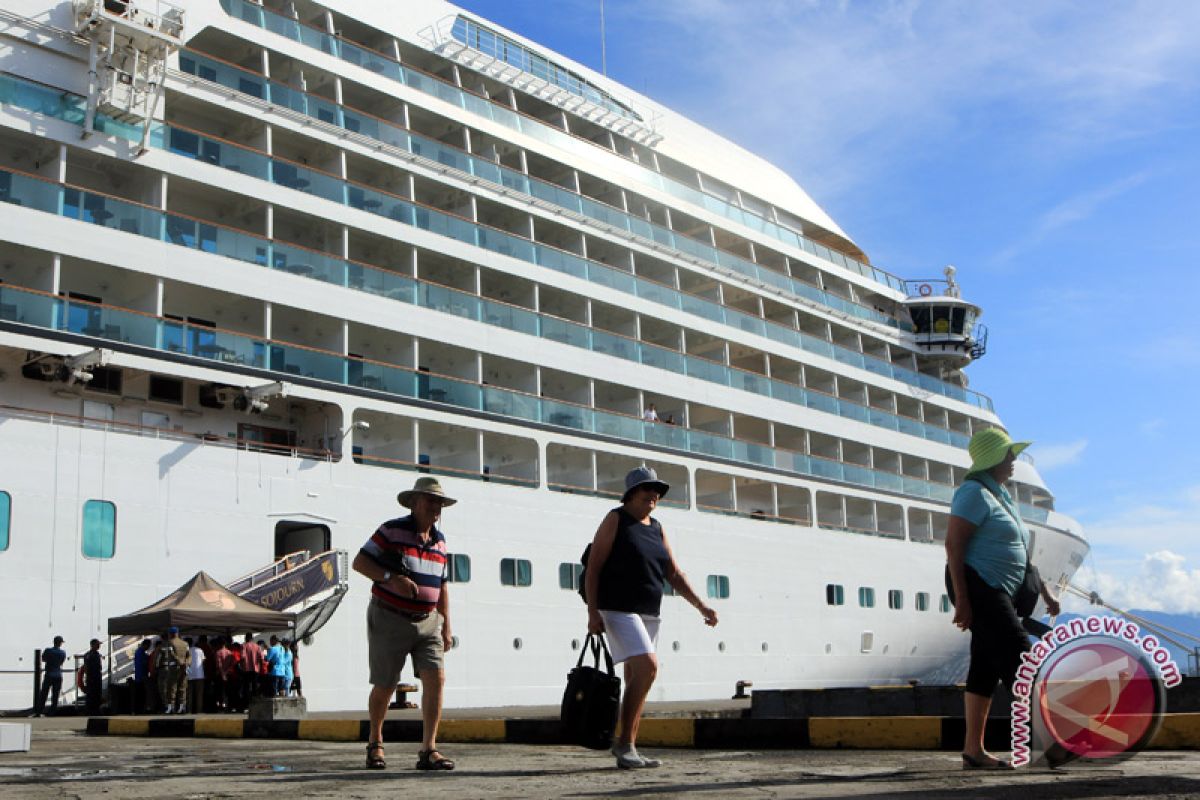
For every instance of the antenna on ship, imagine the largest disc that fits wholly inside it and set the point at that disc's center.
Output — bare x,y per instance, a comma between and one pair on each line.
603,44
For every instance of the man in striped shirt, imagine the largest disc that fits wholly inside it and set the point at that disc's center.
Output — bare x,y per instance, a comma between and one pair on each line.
409,614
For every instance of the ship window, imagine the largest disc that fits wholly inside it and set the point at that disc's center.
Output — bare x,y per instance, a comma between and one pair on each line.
568,575
99,529
922,601
944,604
668,589
105,379
718,586
458,567
515,572
5,516
866,597
166,390
957,318
895,599
835,594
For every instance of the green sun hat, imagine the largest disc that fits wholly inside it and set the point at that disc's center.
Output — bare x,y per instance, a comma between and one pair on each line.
989,447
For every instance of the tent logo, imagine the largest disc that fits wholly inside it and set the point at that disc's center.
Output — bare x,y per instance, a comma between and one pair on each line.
217,599
327,570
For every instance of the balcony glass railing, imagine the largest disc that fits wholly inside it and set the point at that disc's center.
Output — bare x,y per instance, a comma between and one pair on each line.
256,85
288,359
196,234
389,68
397,209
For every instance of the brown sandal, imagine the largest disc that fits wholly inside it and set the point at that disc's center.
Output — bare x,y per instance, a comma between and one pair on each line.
433,760
375,756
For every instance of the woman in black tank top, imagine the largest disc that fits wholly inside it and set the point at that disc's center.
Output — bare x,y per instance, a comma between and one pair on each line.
630,558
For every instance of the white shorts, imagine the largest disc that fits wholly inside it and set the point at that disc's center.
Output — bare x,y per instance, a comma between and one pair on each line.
630,634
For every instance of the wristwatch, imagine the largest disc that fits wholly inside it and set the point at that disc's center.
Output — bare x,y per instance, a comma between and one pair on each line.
387,576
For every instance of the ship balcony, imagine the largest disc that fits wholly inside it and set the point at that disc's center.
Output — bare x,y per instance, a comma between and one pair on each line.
564,316
564,402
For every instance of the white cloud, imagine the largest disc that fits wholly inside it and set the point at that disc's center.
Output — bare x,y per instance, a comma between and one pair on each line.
1051,456
1142,551
1162,582
845,88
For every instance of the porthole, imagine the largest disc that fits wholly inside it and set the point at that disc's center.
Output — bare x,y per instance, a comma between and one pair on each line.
721,646
574,644
675,646
764,647
453,642
828,648
885,648
517,643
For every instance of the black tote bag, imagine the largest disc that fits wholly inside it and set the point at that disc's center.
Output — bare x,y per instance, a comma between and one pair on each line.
592,698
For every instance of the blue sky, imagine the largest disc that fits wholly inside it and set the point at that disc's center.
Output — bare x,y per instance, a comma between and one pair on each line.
1049,150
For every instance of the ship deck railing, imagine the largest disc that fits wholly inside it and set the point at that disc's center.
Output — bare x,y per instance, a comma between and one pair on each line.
144,330
178,229
197,234
210,68
386,66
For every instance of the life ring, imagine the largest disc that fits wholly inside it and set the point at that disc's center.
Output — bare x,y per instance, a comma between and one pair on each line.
81,679
924,290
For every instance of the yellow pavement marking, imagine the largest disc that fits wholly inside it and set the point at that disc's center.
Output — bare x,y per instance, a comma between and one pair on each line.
329,730
128,727
667,732
1178,732
471,730
219,728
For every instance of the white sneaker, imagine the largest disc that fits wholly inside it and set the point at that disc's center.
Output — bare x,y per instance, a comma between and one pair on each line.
628,758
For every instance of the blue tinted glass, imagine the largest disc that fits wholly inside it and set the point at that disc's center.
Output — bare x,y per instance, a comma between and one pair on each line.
99,529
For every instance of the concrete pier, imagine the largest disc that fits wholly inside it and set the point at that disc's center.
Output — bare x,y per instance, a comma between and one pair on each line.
65,762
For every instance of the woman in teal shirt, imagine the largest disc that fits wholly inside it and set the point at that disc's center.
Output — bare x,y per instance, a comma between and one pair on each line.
987,549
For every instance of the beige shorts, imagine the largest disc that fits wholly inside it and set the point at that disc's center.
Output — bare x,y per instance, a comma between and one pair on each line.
392,637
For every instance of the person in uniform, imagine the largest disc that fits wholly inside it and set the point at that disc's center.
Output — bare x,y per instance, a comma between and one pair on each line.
170,665
409,614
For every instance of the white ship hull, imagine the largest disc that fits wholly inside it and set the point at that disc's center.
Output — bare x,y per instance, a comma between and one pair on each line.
187,505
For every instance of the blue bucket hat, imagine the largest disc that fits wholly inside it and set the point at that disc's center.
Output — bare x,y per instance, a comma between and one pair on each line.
644,476
172,630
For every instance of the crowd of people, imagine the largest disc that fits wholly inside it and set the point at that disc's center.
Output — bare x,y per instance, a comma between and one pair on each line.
203,675
174,675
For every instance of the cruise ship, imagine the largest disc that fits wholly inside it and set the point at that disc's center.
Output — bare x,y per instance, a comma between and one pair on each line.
264,264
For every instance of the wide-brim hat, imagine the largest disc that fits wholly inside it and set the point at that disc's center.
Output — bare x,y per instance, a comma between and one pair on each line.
429,486
644,476
990,446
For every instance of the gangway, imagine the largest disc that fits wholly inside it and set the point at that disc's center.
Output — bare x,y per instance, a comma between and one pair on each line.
309,586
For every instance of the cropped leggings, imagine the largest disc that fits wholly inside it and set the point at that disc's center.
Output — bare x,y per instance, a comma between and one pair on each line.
997,638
